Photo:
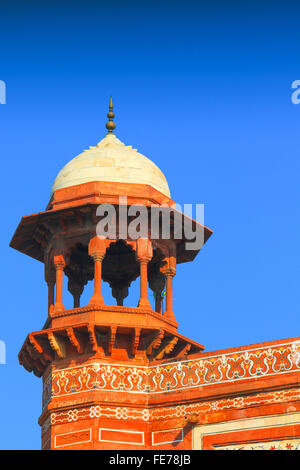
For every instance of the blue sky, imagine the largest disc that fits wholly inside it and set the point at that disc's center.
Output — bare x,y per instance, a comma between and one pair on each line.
201,88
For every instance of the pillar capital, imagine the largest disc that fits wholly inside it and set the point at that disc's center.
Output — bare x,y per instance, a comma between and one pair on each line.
59,262
97,248
97,256
168,271
144,251
144,254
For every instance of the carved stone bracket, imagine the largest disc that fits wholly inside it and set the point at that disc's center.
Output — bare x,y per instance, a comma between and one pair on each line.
135,340
112,338
93,339
167,347
52,345
58,345
74,340
183,350
155,341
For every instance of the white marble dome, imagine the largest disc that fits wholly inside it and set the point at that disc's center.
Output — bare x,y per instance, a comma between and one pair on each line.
111,160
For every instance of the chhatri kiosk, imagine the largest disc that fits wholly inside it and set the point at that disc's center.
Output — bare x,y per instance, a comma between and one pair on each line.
123,377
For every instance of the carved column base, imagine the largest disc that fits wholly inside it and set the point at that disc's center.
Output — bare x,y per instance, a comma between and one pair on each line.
58,308
144,303
96,300
169,315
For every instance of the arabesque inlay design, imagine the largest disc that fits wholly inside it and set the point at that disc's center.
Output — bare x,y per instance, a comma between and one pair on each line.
236,366
171,412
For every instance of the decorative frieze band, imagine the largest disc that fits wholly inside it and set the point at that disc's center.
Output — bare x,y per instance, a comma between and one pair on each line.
181,411
226,368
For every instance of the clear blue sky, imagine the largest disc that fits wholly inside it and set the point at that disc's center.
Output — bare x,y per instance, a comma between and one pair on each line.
204,90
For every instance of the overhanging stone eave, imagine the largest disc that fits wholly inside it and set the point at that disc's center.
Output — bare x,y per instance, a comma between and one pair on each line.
148,344
24,240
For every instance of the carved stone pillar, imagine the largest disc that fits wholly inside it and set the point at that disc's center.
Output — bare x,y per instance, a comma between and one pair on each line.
169,270
144,255
51,284
169,295
97,251
59,263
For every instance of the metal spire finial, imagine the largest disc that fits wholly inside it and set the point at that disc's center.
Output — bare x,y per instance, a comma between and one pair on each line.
110,125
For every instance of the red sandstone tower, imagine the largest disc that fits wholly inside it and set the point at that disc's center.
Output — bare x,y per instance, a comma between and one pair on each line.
122,377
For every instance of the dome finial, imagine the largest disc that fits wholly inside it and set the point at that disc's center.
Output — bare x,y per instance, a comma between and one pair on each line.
110,125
